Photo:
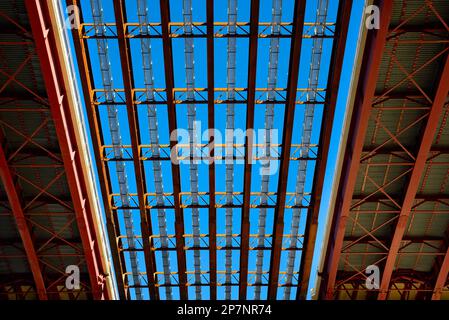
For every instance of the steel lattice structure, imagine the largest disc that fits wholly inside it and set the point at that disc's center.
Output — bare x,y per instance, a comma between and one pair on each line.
48,205
164,253
199,214
391,207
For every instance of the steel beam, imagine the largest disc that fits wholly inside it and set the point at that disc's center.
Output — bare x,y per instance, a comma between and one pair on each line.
338,50
169,84
293,72
176,30
372,57
442,277
50,61
414,181
249,139
128,81
11,188
211,125
112,223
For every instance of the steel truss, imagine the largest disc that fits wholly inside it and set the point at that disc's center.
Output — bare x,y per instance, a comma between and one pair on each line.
393,146
177,201
199,30
32,171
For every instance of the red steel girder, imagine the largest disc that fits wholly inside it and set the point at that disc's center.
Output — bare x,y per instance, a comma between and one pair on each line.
211,124
29,140
7,178
47,49
372,57
338,50
442,277
112,223
36,96
414,180
249,139
19,29
13,76
169,83
293,73
128,80
410,76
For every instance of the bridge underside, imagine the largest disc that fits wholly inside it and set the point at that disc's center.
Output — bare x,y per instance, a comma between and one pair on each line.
391,209
206,228
48,210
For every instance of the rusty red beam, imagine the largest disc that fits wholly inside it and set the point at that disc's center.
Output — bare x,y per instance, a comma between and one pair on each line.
293,73
442,277
128,81
12,76
51,65
169,84
372,57
211,124
112,223
338,50
249,140
14,199
414,180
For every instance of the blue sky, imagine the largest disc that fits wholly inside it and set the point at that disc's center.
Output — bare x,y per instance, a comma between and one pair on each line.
199,14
